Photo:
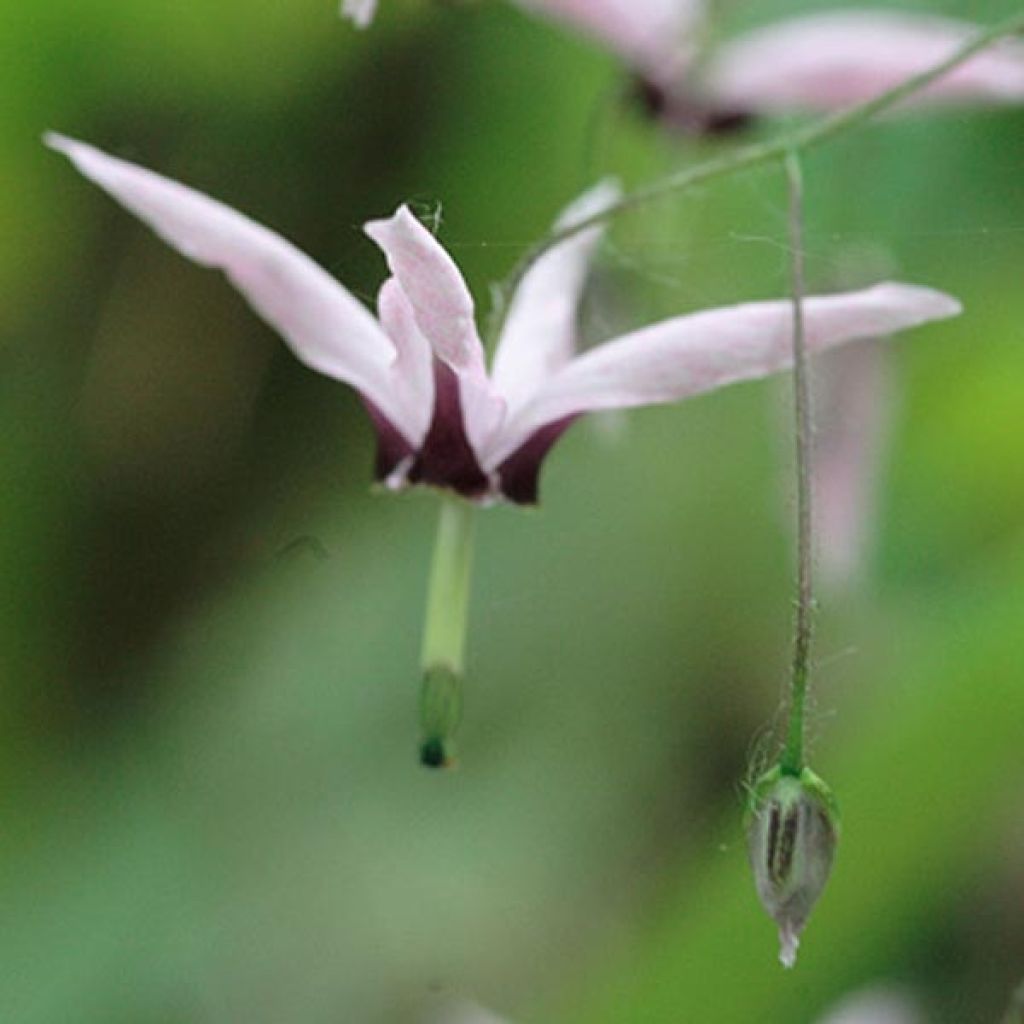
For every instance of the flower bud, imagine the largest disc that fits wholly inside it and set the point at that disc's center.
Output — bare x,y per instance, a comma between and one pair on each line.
791,837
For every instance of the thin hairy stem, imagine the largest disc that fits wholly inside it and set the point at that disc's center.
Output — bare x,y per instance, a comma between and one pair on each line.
773,151
793,754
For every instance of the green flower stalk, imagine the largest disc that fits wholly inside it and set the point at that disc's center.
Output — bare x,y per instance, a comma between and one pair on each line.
444,634
793,825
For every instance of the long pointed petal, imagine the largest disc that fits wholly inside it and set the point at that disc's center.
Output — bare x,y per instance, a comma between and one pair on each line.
325,326
649,35
540,328
443,307
435,286
360,12
830,60
692,354
413,366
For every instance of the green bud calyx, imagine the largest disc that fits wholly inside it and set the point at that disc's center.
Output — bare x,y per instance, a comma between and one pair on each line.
440,713
791,837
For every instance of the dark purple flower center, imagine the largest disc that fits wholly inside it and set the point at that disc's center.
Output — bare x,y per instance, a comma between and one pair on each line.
687,113
446,458
520,472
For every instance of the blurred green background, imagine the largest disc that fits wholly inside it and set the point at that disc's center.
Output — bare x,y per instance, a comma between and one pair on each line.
210,806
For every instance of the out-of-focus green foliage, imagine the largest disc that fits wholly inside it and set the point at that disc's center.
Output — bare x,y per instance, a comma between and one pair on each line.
210,807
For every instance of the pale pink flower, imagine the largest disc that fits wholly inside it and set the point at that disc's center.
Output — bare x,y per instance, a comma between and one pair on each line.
442,417
833,59
816,62
653,37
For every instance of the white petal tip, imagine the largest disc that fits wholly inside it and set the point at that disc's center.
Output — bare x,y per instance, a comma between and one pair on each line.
81,154
595,201
61,143
607,191
359,12
789,944
940,304
927,303
381,229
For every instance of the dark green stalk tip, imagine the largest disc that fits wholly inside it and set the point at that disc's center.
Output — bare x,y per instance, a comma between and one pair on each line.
435,754
440,714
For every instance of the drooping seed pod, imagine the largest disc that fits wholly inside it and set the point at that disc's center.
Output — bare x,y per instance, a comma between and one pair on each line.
792,834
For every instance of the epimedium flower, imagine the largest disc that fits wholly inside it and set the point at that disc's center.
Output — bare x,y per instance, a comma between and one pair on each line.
647,34
442,417
446,419
817,62
832,59
655,38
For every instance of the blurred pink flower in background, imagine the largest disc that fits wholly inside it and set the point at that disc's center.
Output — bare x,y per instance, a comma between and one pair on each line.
442,417
817,62
655,38
651,36
834,59
463,1012
853,392
870,1006
875,1006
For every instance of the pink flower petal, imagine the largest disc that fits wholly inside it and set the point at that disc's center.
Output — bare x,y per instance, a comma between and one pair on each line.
326,327
435,287
540,328
360,12
692,354
413,365
444,312
649,35
835,59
